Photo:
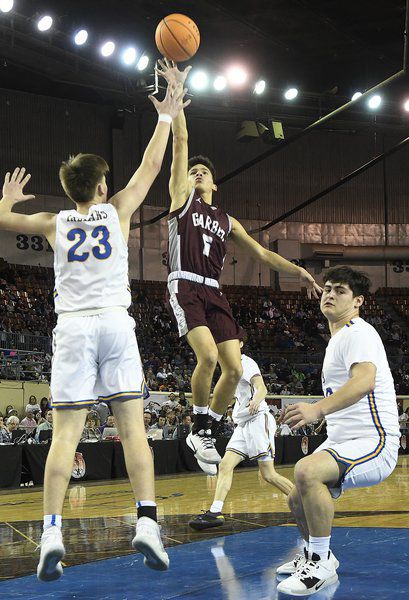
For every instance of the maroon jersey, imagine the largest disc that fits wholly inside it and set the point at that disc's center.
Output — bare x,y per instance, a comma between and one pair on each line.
197,238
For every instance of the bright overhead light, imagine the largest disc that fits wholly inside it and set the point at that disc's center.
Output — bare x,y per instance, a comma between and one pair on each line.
236,75
107,49
406,106
199,80
219,83
129,56
143,62
374,101
356,96
260,87
81,37
6,5
291,93
44,24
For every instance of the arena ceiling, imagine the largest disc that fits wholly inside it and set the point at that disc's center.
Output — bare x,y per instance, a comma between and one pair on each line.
328,48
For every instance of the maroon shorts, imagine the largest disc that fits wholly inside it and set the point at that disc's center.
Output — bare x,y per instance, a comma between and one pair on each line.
195,304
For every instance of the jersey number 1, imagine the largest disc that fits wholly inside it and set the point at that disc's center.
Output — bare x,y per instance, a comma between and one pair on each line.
97,251
207,242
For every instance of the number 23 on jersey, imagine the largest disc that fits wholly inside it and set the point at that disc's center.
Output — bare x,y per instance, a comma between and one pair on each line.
101,251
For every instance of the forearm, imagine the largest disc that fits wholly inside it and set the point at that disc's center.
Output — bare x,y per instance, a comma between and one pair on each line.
280,264
259,395
347,395
179,127
6,208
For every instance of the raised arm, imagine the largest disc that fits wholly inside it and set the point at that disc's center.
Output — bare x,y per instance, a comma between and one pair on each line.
40,223
178,184
131,197
271,259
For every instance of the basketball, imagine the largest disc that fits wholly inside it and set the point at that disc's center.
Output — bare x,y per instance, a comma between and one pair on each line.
177,37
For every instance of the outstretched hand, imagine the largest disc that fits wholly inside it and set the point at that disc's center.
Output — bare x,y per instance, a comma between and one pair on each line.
300,414
172,103
14,185
313,289
169,71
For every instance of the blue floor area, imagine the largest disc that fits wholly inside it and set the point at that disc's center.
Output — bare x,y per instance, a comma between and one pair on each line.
374,565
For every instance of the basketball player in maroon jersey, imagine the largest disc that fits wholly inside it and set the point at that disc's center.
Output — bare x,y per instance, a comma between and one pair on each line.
198,233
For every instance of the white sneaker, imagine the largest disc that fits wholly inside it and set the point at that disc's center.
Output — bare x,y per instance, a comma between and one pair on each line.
311,577
52,551
289,568
207,467
203,447
148,541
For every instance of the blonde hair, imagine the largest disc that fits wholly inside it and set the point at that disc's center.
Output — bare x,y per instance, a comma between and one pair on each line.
13,419
80,175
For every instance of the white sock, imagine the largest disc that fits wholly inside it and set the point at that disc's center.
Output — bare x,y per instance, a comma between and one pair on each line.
217,506
200,410
51,521
215,415
320,546
218,551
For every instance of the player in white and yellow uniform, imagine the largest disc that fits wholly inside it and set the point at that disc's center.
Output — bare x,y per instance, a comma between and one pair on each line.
253,438
362,424
95,353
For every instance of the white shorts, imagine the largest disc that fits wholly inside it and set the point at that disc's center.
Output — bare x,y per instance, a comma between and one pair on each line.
95,357
368,461
254,439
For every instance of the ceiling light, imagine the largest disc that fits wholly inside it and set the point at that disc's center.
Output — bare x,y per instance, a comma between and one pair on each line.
81,37
220,83
143,62
44,24
107,49
374,102
291,93
6,5
260,87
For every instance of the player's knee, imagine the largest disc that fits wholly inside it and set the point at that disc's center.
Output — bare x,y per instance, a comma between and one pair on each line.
234,372
208,359
305,473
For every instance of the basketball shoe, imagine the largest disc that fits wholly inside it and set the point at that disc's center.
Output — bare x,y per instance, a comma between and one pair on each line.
207,467
202,444
148,541
312,576
207,520
291,567
52,551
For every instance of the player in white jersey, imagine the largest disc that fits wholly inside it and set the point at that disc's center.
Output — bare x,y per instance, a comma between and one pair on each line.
253,438
362,424
95,353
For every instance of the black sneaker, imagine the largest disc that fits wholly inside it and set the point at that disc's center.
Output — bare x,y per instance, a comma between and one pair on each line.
207,521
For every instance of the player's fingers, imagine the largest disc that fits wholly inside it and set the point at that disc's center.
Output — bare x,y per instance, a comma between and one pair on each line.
318,288
7,177
15,174
26,179
187,70
20,176
186,103
161,63
29,197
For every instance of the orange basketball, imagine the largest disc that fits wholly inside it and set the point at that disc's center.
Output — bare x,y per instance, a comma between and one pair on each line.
177,37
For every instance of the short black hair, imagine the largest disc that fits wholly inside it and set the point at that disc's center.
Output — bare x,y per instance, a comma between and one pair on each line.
202,160
358,281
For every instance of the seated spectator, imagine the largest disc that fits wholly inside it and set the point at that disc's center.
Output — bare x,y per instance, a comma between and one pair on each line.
91,432
12,424
28,423
2,425
45,425
44,405
33,405
185,427
183,400
147,419
171,424
161,422
110,422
